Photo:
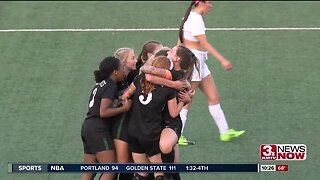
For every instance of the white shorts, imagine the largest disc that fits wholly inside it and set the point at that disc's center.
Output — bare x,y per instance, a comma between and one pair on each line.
203,68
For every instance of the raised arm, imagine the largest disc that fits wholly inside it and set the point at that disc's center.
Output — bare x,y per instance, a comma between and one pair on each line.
161,76
178,85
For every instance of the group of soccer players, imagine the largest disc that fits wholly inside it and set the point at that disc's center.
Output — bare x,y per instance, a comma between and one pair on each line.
138,107
152,125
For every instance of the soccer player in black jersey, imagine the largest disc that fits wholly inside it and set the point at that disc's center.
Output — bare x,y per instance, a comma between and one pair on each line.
145,120
183,63
128,59
96,128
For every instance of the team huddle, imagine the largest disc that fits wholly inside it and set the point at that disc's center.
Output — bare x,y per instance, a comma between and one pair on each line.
138,107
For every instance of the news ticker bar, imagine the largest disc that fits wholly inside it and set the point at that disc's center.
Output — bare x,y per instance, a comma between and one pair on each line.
120,168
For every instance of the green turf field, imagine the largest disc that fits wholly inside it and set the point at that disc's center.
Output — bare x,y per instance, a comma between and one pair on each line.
273,92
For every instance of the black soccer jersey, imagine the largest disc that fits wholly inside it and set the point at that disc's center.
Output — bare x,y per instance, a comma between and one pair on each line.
176,75
106,89
121,87
119,122
145,120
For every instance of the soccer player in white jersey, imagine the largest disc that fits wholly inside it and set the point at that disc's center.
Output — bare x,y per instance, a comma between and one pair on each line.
192,35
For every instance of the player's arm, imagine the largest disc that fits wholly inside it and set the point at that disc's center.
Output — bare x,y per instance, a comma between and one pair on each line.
129,92
107,111
174,107
208,47
179,85
163,77
184,97
191,93
160,72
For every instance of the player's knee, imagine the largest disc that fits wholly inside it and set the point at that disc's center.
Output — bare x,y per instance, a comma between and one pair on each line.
213,100
165,148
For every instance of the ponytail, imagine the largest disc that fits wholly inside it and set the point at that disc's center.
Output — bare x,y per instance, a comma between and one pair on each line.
188,63
106,67
186,15
100,76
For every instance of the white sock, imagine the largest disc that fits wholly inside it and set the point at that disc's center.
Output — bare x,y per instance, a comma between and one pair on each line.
219,118
183,115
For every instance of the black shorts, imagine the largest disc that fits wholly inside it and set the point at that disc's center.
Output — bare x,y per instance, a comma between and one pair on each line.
96,136
144,146
119,127
174,123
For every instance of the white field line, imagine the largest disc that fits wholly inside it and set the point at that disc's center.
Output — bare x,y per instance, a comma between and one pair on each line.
155,29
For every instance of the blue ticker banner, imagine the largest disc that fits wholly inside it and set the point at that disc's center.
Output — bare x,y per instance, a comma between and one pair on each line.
118,168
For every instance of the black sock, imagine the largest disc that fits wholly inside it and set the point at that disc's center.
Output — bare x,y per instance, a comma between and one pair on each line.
125,176
168,158
168,176
176,176
172,176
151,176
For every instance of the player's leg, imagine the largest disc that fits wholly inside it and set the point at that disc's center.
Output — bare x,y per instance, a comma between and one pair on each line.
140,158
184,116
168,139
106,157
89,156
168,144
89,159
122,151
103,147
156,159
122,156
174,159
120,135
208,87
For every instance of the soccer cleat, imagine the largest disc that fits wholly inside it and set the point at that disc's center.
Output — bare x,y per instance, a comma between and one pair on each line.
231,134
184,142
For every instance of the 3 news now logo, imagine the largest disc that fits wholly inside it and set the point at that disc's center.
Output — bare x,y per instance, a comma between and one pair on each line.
283,152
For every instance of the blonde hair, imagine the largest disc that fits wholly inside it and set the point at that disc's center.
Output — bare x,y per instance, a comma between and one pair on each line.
123,53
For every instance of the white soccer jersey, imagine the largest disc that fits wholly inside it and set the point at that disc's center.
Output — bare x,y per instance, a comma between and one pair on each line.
194,26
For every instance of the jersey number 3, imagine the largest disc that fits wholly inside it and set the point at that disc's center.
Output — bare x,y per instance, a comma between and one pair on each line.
145,102
94,92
